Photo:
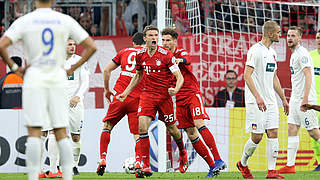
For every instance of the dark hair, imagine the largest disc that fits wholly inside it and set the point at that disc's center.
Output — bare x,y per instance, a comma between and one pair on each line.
169,31
17,60
297,28
137,38
231,71
149,28
44,1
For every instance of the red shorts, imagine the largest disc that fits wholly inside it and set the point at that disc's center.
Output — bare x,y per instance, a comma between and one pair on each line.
188,112
117,110
166,108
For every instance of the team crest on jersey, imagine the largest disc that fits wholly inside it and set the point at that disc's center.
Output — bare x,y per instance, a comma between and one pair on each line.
158,62
304,60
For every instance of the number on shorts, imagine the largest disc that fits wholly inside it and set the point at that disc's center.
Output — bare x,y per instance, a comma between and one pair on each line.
306,121
131,61
48,41
197,111
168,118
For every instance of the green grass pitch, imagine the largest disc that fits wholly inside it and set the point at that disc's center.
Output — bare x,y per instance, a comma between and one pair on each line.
304,175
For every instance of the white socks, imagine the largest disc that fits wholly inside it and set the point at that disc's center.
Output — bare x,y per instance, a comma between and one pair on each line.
293,144
272,152
43,154
66,158
76,147
53,153
248,150
33,153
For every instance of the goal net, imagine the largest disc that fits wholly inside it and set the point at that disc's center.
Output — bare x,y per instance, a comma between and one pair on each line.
218,35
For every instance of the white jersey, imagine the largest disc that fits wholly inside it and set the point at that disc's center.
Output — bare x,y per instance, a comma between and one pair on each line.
44,34
78,83
299,60
263,60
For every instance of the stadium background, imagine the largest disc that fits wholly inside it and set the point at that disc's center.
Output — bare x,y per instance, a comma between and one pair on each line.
216,53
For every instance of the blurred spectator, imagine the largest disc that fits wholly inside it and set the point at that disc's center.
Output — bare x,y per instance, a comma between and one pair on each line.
249,25
104,24
135,25
75,12
231,96
134,7
234,19
179,17
311,24
121,29
86,21
285,24
94,30
58,9
11,88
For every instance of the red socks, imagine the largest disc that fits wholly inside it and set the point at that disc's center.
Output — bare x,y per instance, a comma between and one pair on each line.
104,142
210,142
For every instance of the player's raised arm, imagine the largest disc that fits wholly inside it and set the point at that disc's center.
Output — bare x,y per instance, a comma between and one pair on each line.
249,81
278,89
106,74
89,49
133,83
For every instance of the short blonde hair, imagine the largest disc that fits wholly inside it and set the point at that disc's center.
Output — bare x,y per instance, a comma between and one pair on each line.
296,28
269,26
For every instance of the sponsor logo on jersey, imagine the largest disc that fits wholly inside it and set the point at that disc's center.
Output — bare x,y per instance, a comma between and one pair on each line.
158,62
317,71
71,77
270,67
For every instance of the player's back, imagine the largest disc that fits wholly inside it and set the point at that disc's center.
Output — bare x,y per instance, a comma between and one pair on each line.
126,59
44,34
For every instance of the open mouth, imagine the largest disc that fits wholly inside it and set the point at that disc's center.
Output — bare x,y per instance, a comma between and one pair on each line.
154,43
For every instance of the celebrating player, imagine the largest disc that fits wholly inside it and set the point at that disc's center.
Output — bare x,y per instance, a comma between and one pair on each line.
44,35
158,64
190,109
303,92
262,113
117,110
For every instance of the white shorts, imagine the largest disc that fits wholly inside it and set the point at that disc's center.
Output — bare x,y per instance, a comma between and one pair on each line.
258,121
45,107
308,120
76,116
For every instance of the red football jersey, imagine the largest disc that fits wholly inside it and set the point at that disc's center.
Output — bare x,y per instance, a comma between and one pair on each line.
190,85
126,59
156,71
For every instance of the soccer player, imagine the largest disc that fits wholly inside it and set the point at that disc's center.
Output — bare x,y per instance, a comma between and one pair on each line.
117,110
44,34
303,92
190,106
315,55
76,86
158,64
262,113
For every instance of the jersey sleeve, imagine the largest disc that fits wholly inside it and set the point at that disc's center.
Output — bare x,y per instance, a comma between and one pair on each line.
77,32
305,61
186,57
252,59
117,58
138,61
15,30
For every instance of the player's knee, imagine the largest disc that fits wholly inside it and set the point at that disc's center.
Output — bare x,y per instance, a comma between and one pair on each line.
272,133
256,138
108,125
192,133
199,123
314,133
75,137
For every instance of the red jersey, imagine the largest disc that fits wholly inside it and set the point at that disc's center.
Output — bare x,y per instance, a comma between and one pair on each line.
156,71
190,85
126,59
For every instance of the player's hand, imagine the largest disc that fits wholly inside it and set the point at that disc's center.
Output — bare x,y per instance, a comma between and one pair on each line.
20,71
69,72
285,107
262,107
108,94
302,106
172,91
121,97
74,101
307,106
179,60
